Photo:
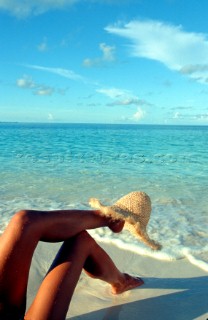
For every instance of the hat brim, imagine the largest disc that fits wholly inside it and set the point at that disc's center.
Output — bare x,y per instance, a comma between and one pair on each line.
131,222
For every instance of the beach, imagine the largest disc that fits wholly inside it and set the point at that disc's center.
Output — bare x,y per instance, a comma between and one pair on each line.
104,108
61,166
173,290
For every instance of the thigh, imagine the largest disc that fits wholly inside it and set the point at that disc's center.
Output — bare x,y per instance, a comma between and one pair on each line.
17,245
54,295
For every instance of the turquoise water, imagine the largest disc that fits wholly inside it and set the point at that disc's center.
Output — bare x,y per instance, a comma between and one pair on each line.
50,166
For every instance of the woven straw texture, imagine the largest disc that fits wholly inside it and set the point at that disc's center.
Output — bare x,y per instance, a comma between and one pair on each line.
135,209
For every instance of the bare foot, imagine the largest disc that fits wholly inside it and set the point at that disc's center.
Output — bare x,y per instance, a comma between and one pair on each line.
129,283
116,225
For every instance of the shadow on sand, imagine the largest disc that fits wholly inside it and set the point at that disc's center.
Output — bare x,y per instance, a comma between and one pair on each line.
190,302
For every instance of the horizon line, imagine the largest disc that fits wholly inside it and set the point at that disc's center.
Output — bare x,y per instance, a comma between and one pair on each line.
102,123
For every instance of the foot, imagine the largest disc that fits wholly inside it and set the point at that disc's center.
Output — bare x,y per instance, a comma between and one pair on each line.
116,225
128,283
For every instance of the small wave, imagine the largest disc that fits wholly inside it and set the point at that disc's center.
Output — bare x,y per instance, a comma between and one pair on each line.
179,234
169,252
196,259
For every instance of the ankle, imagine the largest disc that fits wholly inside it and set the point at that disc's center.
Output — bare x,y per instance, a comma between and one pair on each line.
126,283
119,281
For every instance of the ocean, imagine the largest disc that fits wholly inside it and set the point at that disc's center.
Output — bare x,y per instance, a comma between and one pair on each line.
60,166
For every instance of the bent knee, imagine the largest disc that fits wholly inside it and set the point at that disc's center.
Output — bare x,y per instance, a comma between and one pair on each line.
23,218
85,239
25,223
84,235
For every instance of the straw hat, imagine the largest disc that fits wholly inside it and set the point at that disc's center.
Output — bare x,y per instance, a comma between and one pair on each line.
135,209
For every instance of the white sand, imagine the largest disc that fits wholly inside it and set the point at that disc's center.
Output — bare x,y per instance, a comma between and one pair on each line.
172,291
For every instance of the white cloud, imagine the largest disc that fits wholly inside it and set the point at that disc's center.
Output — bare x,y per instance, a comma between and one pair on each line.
176,115
139,114
50,117
190,117
25,82
113,92
122,97
128,101
108,52
203,116
22,9
190,69
44,91
185,52
108,55
43,46
66,73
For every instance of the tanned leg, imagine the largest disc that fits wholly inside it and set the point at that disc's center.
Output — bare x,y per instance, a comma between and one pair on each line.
54,296
99,265
19,241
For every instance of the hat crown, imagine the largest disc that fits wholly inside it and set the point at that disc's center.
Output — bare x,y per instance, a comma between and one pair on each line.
135,209
136,203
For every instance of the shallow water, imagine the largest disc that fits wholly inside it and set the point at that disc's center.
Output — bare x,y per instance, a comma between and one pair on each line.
50,166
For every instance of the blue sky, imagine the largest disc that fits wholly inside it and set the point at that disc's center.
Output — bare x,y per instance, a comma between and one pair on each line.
104,61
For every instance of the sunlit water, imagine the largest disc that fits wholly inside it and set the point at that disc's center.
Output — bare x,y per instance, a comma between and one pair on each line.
53,166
